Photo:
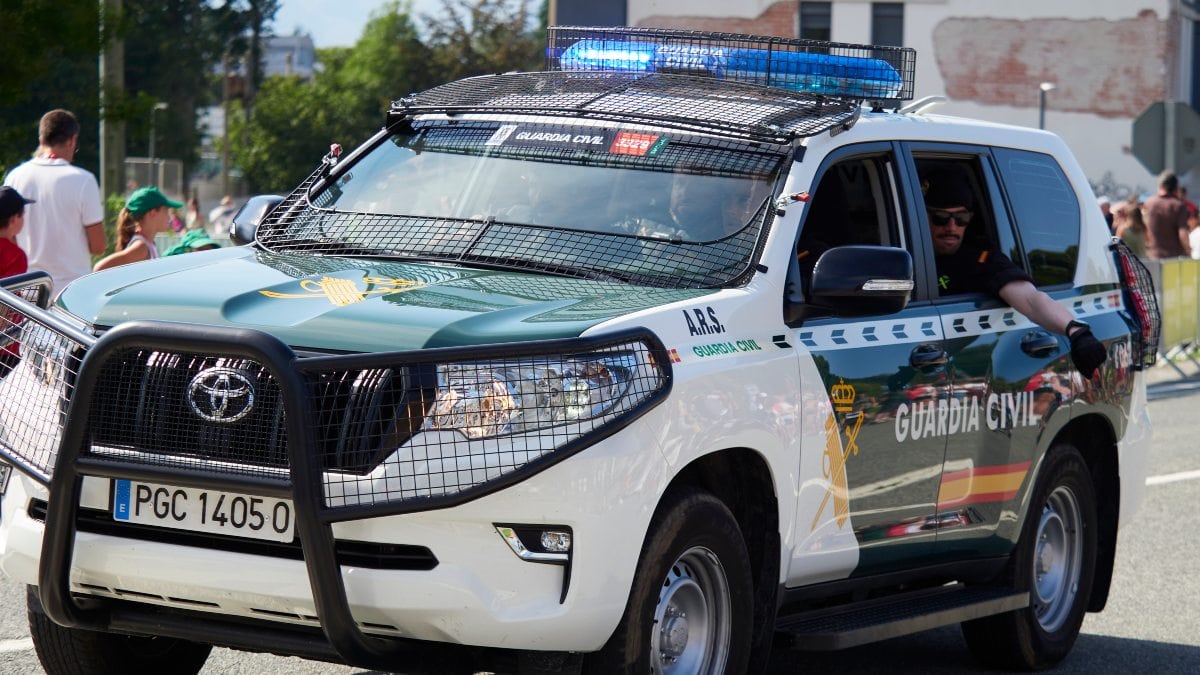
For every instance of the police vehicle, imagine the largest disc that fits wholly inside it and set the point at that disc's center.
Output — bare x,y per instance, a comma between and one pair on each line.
543,377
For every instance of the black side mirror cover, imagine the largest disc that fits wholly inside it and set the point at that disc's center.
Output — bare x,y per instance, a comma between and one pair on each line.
246,221
862,280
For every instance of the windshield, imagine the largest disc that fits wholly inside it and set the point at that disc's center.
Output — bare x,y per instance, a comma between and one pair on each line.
609,201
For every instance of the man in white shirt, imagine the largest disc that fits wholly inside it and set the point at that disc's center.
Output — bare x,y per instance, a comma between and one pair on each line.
66,225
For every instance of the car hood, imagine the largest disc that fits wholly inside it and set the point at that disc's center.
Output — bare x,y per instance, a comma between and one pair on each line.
354,304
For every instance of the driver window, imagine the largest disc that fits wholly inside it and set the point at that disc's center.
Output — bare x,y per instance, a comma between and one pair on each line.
852,205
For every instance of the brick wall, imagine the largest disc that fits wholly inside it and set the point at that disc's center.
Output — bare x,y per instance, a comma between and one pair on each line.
779,20
1107,68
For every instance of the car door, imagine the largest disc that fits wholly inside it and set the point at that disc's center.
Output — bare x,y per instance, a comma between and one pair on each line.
1008,375
872,386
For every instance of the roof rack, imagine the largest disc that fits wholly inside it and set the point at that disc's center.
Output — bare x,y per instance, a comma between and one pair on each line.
735,86
695,104
862,72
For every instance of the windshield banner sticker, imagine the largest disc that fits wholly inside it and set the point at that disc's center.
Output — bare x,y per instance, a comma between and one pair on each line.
551,137
341,292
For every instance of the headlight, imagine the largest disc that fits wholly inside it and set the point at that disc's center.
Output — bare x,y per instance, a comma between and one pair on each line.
511,397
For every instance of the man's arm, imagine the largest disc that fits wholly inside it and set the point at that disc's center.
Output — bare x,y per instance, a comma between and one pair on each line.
1036,306
1087,353
97,242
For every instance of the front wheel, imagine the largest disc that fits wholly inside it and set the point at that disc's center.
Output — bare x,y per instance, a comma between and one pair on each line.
1056,561
74,651
690,609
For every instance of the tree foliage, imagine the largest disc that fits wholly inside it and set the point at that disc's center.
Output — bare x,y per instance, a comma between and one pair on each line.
293,121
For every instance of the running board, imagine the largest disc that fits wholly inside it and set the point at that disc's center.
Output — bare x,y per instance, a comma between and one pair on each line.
885,618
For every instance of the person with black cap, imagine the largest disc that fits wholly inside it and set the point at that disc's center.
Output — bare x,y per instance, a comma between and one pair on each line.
12,262
973,266
146,213
12,220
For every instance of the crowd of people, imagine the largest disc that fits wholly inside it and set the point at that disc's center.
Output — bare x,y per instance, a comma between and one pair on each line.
1158,226
52,217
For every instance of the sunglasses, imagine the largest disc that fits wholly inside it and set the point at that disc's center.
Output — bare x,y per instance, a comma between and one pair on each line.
941,217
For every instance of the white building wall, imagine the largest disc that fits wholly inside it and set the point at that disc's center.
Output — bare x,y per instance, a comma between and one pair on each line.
1109,59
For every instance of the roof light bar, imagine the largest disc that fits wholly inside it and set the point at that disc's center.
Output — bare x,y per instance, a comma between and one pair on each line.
832,69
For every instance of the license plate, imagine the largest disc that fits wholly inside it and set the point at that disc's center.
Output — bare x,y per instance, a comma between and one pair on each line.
198,510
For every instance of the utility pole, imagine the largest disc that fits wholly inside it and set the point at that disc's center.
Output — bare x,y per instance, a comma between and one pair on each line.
112,83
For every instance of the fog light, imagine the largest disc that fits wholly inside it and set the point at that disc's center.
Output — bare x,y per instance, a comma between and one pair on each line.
556,541
538,543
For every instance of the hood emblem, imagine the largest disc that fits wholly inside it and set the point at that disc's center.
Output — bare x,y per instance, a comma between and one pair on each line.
342,292
221,395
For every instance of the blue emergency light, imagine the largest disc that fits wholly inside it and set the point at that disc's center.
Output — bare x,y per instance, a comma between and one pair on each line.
829,74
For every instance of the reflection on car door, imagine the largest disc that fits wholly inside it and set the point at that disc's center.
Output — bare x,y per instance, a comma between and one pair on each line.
870,386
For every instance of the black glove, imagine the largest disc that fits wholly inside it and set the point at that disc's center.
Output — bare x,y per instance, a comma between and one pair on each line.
1086,351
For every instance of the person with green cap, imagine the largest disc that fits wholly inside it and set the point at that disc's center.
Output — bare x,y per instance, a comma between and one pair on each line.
145,214
195,239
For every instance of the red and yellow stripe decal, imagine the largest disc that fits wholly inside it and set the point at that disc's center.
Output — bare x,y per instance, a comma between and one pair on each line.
981,484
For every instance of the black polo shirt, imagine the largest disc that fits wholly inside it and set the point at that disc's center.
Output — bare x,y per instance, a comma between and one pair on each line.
975,269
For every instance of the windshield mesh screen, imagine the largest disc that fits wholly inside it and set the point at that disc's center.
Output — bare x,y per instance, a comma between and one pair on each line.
630,204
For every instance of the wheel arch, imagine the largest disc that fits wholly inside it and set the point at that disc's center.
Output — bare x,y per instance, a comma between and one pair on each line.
742,480
1093,435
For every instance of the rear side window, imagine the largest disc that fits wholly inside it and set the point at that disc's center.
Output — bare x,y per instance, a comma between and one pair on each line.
1047,213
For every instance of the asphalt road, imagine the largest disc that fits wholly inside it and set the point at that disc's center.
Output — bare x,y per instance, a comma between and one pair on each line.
1151,624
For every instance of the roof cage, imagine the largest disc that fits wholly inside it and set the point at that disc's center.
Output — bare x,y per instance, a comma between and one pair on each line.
861,72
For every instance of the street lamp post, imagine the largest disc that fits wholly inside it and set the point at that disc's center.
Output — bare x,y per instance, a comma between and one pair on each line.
161,105
1042,89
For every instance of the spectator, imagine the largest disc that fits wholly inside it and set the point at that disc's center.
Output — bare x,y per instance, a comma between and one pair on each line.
146,213
194,217
1133,230
221,216
1106,209
191,241
1191,205
65,228
12,220
1166,220
1194,235
12,262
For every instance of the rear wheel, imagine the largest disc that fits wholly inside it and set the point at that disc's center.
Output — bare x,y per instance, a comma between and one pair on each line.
1056,561
74,651
690,609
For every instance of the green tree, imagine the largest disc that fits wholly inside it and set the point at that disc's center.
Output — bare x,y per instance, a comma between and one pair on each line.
47,61
477,37
293,122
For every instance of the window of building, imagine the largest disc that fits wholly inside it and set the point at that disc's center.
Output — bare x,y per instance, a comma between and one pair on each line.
815,20
887,24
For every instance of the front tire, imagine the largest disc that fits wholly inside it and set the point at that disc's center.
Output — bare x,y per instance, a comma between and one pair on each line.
691,606
1056,561
74,651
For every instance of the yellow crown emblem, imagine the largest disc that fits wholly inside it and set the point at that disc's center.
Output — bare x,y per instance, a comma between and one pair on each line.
842,395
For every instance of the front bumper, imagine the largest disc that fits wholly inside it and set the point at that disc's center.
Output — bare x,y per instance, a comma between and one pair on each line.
479,593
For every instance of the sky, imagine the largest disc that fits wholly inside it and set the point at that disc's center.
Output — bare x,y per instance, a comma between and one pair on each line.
336,23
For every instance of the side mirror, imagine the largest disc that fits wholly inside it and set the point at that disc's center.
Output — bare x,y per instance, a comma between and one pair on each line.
862,280
246,221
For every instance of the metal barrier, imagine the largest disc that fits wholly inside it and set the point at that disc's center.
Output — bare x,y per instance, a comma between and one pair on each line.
1177,284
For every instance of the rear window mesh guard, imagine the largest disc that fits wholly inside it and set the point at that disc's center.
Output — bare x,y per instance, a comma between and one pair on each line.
1140,299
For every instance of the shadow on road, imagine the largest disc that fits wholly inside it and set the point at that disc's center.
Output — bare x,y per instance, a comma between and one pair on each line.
943,651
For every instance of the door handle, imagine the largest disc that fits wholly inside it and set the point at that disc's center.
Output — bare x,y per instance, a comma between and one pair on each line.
928,357
1039,344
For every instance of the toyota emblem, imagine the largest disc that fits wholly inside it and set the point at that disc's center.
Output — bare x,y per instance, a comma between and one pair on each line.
221,394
